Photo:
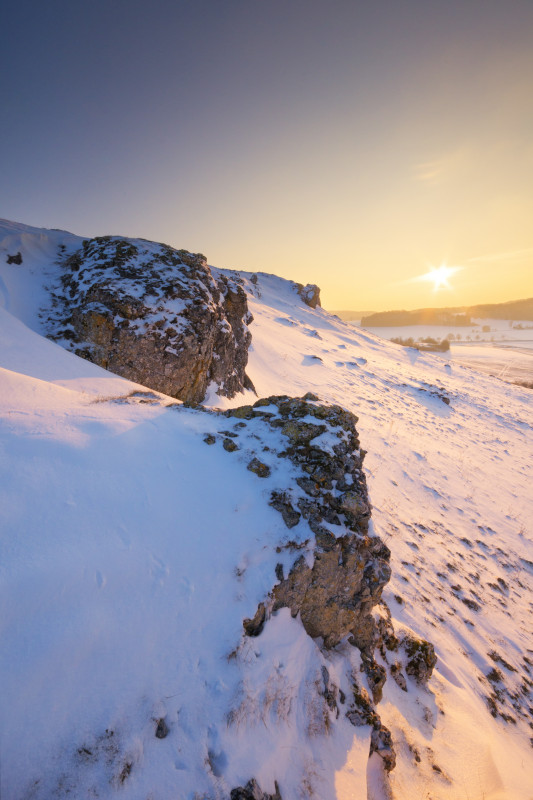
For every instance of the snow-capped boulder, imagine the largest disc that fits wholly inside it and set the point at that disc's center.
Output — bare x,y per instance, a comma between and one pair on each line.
154,315
310,294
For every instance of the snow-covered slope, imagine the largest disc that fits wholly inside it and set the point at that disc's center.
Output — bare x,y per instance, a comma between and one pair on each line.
132,551
450,484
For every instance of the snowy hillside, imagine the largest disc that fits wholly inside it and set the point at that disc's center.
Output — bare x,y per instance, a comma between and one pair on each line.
132,550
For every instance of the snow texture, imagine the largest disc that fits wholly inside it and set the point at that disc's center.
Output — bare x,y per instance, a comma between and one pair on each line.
132,550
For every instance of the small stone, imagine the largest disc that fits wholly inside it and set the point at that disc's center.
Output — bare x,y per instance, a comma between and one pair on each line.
253,627
381,743
229,445
209,439
376,676
260,469
243,412
252,791
398,676
421,658
161,732
281,502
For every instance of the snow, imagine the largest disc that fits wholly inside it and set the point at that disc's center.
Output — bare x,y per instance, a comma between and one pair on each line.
497,347
131,551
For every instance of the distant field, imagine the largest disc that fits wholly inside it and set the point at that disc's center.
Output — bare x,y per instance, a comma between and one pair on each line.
493,346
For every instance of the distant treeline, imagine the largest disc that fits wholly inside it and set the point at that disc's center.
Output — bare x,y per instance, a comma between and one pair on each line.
423,316
514,310
429,344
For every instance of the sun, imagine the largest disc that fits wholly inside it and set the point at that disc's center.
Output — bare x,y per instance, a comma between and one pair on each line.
439,276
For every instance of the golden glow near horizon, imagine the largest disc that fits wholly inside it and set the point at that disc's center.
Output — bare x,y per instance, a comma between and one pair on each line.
439,276
380,139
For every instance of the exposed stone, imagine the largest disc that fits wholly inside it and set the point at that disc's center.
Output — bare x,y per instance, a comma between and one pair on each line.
376,676
301,432
154,315
421,658
281,502
362,711
381,743
209,439
330,691
252,791
310,294
335,595
253,627
229,445
260,469
243,412
16,259
161,730
387,638
398,676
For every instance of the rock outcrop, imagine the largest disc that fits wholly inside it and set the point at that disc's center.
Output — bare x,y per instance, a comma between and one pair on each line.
341,566
310,294
334,594
154,315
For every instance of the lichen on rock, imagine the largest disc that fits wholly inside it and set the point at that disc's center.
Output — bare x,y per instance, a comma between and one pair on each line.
152,314
310,294
421,658
335,583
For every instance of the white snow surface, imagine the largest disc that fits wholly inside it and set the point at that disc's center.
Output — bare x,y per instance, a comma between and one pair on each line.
131,551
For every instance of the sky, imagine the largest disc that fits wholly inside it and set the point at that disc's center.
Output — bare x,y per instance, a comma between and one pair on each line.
351,144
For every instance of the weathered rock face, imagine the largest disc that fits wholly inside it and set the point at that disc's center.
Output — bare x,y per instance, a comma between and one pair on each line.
336,594
341,567
154,315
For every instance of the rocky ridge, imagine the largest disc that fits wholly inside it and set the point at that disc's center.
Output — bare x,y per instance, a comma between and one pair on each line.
152,314
335,582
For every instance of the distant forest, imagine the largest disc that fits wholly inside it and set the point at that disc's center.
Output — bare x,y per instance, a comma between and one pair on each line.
461,316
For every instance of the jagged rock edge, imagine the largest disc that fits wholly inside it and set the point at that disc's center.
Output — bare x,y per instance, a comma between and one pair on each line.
354,503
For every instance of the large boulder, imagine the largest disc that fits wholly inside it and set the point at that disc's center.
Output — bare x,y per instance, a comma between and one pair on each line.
154,315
